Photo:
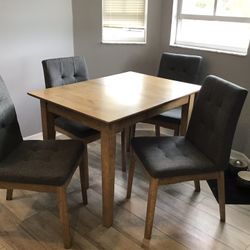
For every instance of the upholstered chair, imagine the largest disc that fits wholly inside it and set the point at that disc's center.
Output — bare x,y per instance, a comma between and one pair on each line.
43,166
202,154
68,70
178,67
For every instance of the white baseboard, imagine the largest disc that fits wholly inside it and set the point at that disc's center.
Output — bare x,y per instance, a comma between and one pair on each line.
38,136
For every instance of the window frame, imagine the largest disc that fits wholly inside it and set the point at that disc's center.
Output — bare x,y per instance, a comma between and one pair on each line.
128,42
177,16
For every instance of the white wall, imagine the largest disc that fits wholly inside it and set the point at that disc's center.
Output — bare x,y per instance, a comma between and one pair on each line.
231,67
106,59
32,30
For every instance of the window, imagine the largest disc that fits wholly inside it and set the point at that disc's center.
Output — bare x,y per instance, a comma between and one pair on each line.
124,21
222,25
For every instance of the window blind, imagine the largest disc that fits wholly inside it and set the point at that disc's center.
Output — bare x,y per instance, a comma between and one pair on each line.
124,13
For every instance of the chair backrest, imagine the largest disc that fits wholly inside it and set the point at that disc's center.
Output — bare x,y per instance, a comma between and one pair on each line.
10,134
180,67
61,71
214,119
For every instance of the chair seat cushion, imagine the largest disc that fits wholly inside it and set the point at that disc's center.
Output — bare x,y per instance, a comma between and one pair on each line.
171,116
171,156
75,128
41,162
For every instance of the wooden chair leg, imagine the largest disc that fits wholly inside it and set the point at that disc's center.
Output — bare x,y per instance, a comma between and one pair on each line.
131,135
123,149
85,166
177,131
9,194
221,195
157,130
131,173
64,216
127,136
133,129
197,186
83,173
152,195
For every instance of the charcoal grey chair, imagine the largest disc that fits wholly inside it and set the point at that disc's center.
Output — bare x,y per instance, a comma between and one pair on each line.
43,166
68,70
179,67
62,71
202,154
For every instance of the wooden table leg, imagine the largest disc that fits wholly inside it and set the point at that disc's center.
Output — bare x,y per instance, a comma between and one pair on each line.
124,151
108,149
48,126
186,112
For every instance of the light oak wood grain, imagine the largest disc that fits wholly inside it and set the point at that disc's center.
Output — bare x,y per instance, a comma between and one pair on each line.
114,97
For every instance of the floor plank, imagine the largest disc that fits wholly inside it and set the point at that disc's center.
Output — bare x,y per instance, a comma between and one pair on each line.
13,235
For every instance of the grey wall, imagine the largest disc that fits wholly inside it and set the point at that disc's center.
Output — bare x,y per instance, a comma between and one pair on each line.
231,67
105,59
31,31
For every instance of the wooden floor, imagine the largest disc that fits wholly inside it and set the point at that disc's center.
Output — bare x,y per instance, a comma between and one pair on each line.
184,219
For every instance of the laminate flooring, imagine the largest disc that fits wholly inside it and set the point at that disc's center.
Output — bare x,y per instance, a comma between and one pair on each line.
184,219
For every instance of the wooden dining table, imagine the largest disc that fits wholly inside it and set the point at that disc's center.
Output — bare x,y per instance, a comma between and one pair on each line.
111,104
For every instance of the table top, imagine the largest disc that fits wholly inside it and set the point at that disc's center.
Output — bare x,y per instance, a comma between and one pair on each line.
117,96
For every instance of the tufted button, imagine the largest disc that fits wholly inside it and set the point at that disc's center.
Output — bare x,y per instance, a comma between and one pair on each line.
3,125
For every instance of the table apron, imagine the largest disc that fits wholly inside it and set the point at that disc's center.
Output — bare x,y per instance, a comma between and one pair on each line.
118,125
75,116
146,114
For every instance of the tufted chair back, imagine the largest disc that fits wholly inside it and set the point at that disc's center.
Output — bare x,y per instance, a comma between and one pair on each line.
61,71
10,135
214,119
180,67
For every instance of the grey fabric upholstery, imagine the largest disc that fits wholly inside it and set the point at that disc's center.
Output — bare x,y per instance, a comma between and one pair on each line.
10,135
170,116
170,156
214,119
75,128
33,162
179,67
208,142
41,162
61,71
